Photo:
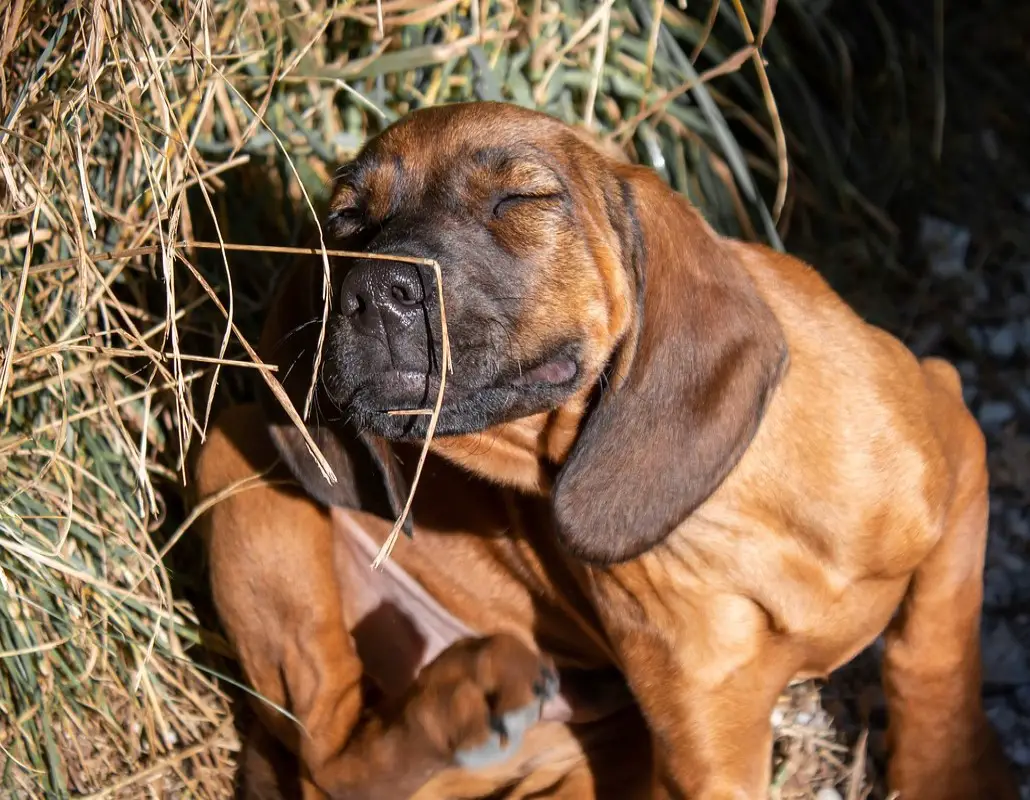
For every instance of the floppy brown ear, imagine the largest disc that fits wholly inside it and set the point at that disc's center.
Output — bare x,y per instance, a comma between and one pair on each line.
368,475
695,376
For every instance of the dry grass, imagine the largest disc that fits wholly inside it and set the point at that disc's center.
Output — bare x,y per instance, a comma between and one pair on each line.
134,131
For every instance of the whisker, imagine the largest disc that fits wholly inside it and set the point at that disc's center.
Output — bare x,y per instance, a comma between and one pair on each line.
296,330
296,361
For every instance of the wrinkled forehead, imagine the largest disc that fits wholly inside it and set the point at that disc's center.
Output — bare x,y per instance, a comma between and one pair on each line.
446,152
444,133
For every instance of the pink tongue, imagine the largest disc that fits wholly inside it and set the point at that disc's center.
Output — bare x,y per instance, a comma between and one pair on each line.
551,372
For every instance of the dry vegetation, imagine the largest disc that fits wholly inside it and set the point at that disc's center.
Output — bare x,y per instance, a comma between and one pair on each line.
133,131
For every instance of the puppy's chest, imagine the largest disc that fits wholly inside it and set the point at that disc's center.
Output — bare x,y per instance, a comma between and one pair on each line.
446,587
711,592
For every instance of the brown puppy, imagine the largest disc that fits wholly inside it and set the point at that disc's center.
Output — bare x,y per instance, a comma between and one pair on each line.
760,482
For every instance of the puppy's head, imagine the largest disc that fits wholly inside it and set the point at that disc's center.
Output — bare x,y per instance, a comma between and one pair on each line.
530,232
572,284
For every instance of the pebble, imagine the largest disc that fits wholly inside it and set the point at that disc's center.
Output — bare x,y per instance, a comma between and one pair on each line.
1016,524
1002,717
968,370
1005,659
1002,342
1023,697
994,413
1019,752
998,589
1013,563
946,246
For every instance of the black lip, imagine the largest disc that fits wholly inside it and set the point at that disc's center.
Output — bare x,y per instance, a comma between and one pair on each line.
422,390
376,404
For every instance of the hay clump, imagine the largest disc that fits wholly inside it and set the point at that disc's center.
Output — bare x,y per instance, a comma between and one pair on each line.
130,127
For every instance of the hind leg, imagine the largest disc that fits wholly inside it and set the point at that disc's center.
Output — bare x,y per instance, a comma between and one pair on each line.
270,560
942,746
277,592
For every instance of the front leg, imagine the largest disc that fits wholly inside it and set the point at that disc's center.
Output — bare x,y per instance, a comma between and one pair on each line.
707,677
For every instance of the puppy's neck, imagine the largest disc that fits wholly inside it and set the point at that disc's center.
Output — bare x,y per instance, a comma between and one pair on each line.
524,454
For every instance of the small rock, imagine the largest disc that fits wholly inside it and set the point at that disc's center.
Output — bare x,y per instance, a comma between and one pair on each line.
997,546
1019,752
1013,563
1023,393
998,589
968,370
1003,341
995,413
978,294
828,793
1021,584
1005,660
1023,697
1017,524
946,246
1002,717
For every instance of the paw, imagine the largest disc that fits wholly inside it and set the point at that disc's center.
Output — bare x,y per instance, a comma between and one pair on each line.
508,729
479,698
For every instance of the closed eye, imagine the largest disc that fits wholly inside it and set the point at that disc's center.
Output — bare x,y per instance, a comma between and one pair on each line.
509,201
345,222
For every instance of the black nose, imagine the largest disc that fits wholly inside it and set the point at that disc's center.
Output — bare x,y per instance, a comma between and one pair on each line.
382,294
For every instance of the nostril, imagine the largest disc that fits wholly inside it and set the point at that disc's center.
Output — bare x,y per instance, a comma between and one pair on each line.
357,305
403,295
